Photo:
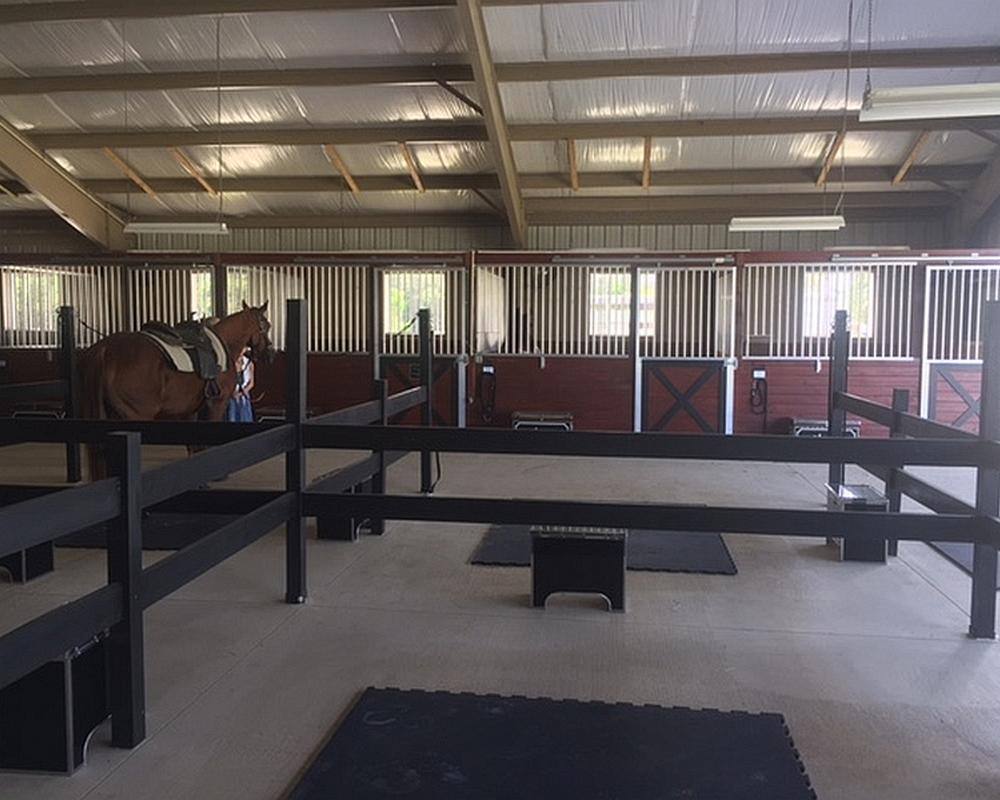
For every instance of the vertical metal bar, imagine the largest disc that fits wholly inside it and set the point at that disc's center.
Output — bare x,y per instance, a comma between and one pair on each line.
71,389
125,644
633,346
379,478
900,405
984,560
427,379
296,324
840,348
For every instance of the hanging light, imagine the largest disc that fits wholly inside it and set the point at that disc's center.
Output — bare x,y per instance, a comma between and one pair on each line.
825,222
195,228
931,102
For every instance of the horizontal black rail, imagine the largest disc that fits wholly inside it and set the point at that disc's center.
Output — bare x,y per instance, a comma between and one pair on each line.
173,572
893,452
13,431
658,516
908,424
68,626
27,392
182,476
44,518
404,401
922,492
218,501
340,480
370,411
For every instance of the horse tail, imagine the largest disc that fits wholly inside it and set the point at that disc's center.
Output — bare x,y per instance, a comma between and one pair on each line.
92,403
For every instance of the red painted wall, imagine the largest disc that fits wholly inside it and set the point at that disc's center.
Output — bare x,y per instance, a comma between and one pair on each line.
27,366
795,389
335,382
598,391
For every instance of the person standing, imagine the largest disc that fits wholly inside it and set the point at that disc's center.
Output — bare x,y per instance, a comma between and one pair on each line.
240,408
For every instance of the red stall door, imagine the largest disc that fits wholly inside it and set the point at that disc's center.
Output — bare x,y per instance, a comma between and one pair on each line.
684,396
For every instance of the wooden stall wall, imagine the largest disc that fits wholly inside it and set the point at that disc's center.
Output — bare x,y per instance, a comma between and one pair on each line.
796,389
953,392
597,391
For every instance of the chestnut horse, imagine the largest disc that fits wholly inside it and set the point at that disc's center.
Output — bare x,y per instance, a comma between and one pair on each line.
126,376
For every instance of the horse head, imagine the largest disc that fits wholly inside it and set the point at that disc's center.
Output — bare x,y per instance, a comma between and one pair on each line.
259,326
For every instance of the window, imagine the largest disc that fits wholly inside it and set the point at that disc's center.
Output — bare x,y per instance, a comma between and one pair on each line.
610,300
32,296
824,292
405,293
201,293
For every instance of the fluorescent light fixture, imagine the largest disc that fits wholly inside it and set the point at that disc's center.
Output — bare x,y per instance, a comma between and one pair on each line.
831,222
195,228
931,102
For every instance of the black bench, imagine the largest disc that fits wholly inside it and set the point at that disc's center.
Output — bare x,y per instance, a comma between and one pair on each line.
576,559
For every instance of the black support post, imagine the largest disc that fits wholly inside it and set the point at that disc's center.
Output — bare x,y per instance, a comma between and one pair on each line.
295,459
984,561
427,380
220,288
379,478
900,406
71,395
840,348
128,683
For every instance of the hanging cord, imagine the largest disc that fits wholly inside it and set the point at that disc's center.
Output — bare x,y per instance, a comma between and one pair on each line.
868,62
732,139
218,114
125,104
83,324
847,101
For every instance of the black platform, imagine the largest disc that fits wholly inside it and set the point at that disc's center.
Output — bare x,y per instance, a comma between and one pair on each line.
654,551
160,531
959,554
440,746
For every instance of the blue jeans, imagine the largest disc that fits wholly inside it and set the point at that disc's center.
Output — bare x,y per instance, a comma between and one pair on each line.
239,410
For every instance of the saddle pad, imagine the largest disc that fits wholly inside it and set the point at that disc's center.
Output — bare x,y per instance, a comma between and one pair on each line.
181,359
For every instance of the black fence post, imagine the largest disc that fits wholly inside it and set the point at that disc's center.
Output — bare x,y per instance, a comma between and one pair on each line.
900,405
840,348
984,560
125,644
379,478
71,392
427,379
295,459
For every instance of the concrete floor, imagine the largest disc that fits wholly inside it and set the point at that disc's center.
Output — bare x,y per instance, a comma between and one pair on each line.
884,694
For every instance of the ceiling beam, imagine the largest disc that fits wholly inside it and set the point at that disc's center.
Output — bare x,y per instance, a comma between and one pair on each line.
191,169
486,181
979,201
747,64
470,14
182,137
61,10
423,75
411,167
438,220
445,75
612,216
126,169
60,191
725,127
337,162
574,174
474,131
831,157
808,202
461,96
647,163
911,157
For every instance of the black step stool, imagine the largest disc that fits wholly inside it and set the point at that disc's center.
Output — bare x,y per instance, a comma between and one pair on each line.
577,559
858,497
47,716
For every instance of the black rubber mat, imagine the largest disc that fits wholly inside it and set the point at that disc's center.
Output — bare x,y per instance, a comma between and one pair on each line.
161,531
959,554
655,551
440,746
